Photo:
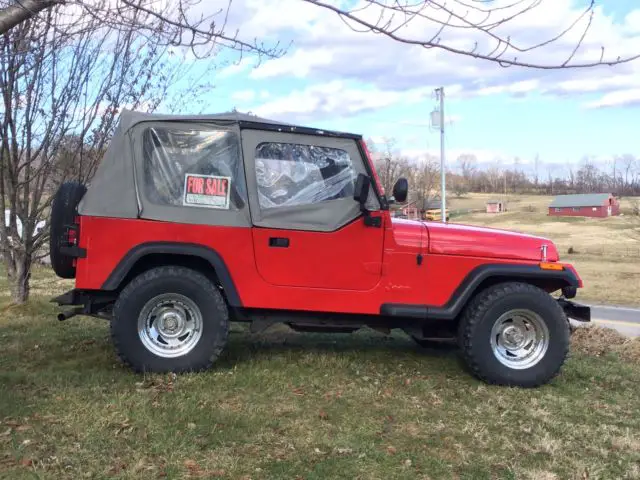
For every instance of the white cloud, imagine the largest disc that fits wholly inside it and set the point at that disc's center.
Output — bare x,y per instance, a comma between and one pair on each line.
632,22
593,84
335,98
238,67
325,50
243,95
617,99
299,63
517,88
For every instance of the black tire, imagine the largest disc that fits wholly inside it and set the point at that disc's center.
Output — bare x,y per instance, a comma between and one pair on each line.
475,332
63,213
170,280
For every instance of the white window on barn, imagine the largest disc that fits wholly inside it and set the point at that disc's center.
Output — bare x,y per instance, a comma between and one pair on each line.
558,210
576,209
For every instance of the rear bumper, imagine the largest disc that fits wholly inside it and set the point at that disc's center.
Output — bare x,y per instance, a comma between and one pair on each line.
95,303
575,311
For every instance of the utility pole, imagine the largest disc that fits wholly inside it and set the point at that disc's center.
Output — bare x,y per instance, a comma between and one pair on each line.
440,93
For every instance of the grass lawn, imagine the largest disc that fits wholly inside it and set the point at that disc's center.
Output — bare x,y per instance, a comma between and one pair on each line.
283,405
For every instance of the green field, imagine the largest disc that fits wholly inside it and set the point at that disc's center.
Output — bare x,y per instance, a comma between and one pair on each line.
282,405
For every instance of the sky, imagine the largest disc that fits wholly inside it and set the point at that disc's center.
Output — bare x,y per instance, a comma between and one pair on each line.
332,77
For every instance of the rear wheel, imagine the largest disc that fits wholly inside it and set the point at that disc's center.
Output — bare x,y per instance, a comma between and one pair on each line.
170,319
514,334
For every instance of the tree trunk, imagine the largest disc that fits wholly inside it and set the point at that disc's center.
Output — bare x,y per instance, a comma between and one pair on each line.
18,12
20,281
9,264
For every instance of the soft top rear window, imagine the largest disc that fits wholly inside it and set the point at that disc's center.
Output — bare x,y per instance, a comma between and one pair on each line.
172,153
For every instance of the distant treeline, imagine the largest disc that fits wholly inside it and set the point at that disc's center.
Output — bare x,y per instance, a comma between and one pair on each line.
620,175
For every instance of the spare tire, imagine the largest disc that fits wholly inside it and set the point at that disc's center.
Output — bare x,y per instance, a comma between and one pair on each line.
63,215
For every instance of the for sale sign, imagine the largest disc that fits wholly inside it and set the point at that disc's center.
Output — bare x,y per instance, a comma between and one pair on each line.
206,191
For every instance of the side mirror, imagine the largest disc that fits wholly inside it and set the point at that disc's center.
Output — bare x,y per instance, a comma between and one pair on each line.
361,191
360,195
401,190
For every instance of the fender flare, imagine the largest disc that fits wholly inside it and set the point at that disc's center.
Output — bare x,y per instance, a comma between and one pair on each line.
469,286
175,248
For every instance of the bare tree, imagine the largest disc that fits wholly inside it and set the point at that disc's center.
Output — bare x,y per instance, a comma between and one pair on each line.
492,25
572,177
174,22
536,170
459,186
468,164
550,178
629,166
614,173
388,163
494,175
61,95
489,21
425,178
588,177
15,12
422,173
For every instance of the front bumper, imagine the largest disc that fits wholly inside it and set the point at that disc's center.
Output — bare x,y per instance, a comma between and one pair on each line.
575,311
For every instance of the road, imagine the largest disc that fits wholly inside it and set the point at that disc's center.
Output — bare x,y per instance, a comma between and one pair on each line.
624,320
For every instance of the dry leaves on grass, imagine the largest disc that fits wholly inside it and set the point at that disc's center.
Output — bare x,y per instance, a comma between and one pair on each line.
333,395
157,383
195,471
630,351
597,341
297,391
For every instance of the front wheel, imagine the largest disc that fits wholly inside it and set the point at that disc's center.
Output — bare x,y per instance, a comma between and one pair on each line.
514,334
170,319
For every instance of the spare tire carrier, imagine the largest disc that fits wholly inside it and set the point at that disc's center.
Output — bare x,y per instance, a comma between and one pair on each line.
65,229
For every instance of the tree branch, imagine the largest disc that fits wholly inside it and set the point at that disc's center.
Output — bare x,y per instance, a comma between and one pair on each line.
22,10
454,15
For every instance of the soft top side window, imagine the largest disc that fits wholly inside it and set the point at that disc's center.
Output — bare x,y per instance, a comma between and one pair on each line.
171,153
290,174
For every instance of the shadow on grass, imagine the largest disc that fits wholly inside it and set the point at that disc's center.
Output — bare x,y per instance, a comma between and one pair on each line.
244,346
80,352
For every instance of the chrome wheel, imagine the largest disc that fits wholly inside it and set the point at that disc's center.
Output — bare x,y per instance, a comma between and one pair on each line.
170,325
519,339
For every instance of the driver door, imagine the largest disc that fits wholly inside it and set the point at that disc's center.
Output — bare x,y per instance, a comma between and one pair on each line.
308,231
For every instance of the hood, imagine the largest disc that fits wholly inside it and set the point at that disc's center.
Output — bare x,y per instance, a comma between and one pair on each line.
471,241
410,233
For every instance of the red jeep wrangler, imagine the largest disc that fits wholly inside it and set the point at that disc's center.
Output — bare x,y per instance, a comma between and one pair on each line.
193,222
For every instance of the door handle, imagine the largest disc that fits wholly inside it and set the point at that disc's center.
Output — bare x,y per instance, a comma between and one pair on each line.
278,242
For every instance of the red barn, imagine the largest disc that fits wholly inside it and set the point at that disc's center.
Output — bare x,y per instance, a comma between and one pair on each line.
586,205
